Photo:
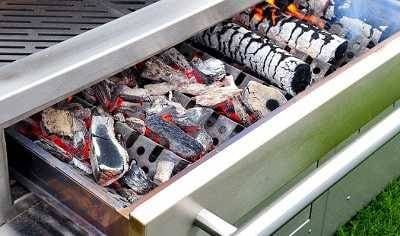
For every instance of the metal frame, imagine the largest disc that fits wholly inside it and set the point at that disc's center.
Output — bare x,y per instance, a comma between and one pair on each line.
44,78
291,135
270,219
53,74
5,194
291,138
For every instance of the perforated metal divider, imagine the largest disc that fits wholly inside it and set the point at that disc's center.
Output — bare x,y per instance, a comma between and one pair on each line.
27,26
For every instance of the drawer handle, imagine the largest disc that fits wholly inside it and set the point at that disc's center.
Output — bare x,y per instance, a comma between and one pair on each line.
271,218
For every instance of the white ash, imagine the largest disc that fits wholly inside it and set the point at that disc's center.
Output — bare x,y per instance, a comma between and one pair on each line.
196,88
159,89
259,54
136,124
134,94
174,57
85,167
289,31
317,8
155,69
216,96
79,133
211,68
159,105
261,99
164,170
360,34
119,117
60,122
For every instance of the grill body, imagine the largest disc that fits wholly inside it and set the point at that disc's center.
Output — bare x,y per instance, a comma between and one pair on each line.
240,176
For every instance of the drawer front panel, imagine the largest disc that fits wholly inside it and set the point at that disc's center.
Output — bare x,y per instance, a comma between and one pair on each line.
265,157
358,188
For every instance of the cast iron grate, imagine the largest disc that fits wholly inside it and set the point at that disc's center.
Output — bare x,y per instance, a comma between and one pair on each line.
28,26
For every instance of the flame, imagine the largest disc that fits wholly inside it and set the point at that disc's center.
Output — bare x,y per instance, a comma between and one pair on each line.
293,10
259,14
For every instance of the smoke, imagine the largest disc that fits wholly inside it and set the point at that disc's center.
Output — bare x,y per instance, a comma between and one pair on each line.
381,14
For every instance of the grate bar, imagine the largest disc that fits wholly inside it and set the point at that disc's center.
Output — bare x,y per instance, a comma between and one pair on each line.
34,25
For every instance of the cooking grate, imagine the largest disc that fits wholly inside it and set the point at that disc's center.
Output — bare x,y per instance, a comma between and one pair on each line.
128,6
28,26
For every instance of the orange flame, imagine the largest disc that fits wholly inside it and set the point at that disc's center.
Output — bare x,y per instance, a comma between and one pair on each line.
259,14
293,10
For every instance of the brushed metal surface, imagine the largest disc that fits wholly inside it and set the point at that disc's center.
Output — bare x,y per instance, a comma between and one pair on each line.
358,188
54,73
265,157
319,181
64,183
29,26
5,193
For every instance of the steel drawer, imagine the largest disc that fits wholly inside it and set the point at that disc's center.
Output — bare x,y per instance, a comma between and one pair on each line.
239,176
242,173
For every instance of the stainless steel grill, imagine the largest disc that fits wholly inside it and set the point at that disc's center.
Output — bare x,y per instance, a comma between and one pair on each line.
30,26
51,50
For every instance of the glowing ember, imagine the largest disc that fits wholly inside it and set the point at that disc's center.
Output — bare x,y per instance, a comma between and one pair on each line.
292,9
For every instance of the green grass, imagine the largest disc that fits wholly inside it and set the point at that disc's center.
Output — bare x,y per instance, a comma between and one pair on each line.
380,217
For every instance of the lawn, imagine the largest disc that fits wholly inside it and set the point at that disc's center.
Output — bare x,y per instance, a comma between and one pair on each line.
380,217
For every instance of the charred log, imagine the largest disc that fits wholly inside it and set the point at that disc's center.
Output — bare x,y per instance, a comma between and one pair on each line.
259,54
171,136
288,31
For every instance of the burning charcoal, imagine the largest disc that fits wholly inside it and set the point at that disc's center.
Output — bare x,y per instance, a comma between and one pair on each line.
164,171
196,88
129,78
119,117
261,99
60,122
204,139
134,94
216,96
291,8
128,134
80,133
129,109
360,34
259,54
212,69
199,115
137,180
136,124
289,31
192,122
363,23
234,109
101,112
128,194
315,7
54,150
175,59
156,70
108,158
83,114
83,166
89,95
174,138
160,104
159,89
106,94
